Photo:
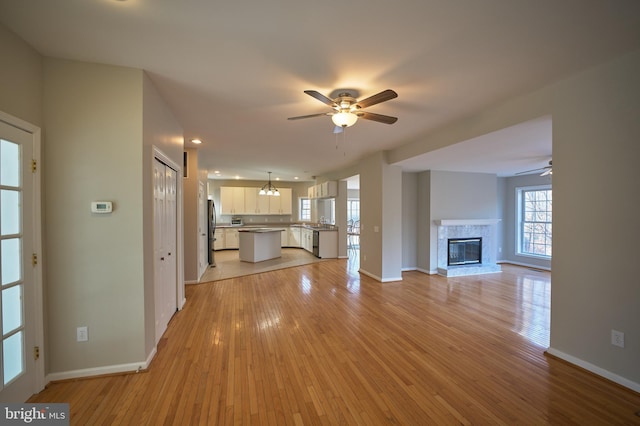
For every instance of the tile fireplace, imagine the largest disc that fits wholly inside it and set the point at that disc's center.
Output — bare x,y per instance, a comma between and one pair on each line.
466,247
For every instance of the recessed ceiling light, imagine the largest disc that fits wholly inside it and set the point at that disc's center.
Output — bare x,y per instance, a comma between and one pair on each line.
196,141
237,177
296,178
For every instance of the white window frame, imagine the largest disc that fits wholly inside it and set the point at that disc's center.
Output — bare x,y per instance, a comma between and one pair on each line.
301,210
520,222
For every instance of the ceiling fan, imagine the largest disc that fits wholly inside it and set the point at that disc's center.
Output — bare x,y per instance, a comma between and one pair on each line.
347,109
546,170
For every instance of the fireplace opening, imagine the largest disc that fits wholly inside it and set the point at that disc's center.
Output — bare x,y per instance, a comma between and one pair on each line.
464,251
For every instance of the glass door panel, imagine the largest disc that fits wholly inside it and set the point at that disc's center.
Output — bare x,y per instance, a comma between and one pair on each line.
11,268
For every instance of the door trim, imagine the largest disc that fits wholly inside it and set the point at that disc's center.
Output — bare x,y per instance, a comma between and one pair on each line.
38,319
157,154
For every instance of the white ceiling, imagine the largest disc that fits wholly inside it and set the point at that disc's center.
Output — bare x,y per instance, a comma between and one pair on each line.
233,71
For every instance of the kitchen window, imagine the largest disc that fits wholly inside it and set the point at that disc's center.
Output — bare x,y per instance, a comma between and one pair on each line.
534,221
304,209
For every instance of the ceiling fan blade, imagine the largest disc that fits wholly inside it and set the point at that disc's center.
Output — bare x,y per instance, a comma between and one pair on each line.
322,98
309,116
532,170
377,98
547,172
386,119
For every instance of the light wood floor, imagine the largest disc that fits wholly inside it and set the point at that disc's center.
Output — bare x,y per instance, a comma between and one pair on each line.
320,344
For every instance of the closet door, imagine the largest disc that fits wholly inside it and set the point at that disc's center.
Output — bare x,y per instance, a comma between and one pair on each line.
165,230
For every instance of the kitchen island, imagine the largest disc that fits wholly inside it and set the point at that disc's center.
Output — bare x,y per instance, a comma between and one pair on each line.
259,244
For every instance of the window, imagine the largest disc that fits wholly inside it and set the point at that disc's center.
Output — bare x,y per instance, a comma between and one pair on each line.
534,221
353,210
304,210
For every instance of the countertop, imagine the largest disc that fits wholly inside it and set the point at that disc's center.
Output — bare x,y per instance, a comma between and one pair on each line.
315,227
259,230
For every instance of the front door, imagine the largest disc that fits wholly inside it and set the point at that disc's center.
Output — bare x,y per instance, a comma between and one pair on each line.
17,265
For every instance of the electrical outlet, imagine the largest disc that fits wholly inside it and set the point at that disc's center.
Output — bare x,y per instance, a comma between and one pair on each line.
82,334
617,338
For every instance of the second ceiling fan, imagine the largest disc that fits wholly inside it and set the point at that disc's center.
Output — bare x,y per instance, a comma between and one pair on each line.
347,109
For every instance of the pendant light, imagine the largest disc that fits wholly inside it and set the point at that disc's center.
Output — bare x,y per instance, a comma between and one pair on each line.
269,189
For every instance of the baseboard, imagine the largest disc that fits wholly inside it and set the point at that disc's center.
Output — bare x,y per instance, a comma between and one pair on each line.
428,272
377,278
192,282
595,369
526,265
102,371
413,268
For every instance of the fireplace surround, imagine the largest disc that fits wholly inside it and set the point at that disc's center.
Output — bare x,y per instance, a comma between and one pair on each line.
470,229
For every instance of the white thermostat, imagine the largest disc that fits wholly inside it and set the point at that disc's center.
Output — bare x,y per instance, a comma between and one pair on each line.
101,207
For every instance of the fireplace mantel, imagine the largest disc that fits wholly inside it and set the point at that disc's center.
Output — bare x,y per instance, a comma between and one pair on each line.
466,222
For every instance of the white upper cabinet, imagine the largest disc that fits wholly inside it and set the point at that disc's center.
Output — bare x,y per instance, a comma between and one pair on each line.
327,189
247,201
231,200
255,203
281,204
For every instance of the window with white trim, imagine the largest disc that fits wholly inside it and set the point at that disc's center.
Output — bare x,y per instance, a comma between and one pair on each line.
353,210
534,221
304,209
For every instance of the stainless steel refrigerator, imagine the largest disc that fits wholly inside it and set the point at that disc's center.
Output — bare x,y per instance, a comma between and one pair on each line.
211,210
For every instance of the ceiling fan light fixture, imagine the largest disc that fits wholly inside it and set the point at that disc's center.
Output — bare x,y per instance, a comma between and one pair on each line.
344,119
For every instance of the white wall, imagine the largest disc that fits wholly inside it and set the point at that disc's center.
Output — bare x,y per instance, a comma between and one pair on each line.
94,273
191,188
409,221
20,78
454,195
596,151
162,131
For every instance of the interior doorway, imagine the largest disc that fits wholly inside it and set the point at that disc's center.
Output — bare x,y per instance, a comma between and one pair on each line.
353,221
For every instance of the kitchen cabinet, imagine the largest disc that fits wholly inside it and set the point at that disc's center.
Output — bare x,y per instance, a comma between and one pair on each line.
254,203
218,244
327,189
231,239
231,200
248,201
328,244
293,239
306,235
281,204
284,237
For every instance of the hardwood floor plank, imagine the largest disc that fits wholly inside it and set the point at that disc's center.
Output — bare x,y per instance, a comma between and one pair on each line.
321,345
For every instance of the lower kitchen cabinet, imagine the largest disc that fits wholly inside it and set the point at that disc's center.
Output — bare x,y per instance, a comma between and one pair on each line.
231,240
328,244
218,244
293,237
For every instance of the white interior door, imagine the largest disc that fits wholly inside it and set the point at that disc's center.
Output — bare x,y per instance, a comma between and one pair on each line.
165,237
17,296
